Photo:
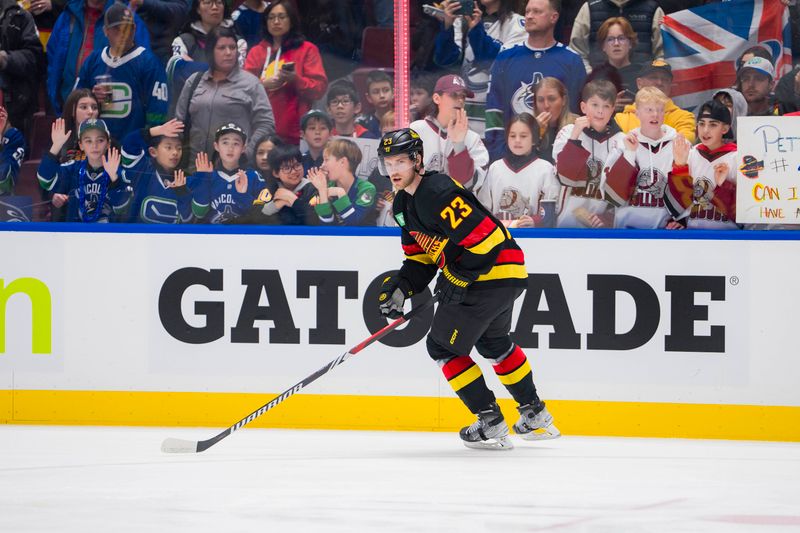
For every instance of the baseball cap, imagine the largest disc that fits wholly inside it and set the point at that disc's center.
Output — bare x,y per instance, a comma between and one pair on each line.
117,15
657,65
229,128
93,124
452,83
758,64
715,111
315,113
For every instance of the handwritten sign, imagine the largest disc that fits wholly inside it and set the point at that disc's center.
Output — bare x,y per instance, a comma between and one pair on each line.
768,175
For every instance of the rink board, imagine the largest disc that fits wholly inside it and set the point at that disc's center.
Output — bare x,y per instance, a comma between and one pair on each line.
628,333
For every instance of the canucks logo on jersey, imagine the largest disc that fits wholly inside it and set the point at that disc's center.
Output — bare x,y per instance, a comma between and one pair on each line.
522,99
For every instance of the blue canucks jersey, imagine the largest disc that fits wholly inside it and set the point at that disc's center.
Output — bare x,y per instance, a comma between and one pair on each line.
153,202
139,86
250,24
215,198
92,195
12,152
514,73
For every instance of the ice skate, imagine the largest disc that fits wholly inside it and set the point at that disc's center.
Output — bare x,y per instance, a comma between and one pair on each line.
535,423
489,432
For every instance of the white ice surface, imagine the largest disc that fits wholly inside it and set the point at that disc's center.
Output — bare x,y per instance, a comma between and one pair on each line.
79,479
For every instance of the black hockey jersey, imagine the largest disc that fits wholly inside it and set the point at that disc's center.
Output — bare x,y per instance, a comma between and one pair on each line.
444,225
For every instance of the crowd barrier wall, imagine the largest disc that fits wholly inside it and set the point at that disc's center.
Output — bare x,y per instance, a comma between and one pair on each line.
633,333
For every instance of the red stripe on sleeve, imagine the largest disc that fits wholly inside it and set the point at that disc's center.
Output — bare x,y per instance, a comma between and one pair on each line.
479,233
510,363
413,249
510,256
456,366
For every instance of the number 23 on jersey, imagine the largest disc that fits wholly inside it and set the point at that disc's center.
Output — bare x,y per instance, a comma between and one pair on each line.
456,212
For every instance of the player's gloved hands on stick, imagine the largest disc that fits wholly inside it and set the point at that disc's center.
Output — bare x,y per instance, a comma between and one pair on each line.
394,292
451,287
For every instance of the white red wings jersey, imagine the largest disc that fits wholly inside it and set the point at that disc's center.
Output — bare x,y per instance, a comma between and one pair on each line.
510,193
693,194
635,181
468,167
579,167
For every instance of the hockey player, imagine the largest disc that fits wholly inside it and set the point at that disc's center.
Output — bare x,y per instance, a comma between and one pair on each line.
93,185
344,199
450,146
227,191
12,152
580,151
521,189
482,272
150,160
702,185
636,174
134,93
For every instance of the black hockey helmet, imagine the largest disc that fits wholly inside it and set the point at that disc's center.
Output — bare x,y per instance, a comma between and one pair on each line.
402,141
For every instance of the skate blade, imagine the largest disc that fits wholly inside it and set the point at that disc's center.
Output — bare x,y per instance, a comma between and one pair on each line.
501,443
548,433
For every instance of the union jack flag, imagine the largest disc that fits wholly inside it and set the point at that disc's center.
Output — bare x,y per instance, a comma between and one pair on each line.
703,43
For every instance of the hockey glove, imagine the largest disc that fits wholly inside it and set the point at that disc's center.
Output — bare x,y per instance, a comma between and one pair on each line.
451,287
394,292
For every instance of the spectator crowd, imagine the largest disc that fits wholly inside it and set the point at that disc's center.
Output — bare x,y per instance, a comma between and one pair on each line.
269,112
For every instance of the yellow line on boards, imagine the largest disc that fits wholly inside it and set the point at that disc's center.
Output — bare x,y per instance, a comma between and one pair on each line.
397,413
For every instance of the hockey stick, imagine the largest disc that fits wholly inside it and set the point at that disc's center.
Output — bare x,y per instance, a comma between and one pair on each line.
171,445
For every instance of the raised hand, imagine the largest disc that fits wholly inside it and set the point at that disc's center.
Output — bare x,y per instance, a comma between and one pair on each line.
543,119
58,135
581,123
111,163
721,173
178,179
241,182
171,128
450,7
680,151
318,179
284,197
458,127
631,142
3,119
202,164
474,19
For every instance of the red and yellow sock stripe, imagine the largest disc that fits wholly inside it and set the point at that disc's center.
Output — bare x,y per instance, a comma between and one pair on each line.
513,368
461,371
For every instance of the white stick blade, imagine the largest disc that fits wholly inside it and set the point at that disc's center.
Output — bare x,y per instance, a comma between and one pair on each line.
179,446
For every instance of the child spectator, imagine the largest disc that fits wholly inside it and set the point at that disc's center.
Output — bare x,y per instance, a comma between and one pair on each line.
450,146
223,193
290,68
521,189
702,185
288,197
93,185
581,150
380,95
315,129
343,108
736,104
80,105
134,93
343,198
383,187
264,146
636,174
421,96
249,21
12,152
551,109
150,162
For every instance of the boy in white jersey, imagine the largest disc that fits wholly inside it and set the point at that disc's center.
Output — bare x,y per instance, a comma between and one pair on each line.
702,185
635,177
450,146
580,152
